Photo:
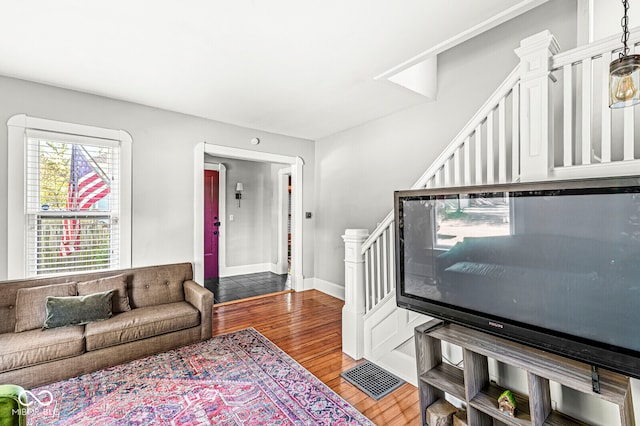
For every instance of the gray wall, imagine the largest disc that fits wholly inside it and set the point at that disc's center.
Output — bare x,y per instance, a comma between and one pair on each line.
163,151
248,237
360,168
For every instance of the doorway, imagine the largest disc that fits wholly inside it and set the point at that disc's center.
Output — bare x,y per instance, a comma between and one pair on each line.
295,164
211,224
285,216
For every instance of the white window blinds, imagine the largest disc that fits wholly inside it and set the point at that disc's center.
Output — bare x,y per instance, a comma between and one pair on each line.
73,213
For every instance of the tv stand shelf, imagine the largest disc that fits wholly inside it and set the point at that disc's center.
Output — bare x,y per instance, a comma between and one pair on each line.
472,386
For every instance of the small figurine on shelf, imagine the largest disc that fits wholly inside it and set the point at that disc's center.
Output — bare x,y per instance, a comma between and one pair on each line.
507,403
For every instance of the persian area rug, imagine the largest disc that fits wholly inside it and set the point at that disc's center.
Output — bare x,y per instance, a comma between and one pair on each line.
240,378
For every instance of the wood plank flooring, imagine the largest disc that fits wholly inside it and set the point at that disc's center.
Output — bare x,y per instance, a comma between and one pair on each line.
307,325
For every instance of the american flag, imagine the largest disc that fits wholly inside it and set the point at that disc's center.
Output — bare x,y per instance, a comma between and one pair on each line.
88,184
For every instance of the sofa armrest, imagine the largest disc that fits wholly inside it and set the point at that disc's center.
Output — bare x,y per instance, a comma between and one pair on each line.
202,299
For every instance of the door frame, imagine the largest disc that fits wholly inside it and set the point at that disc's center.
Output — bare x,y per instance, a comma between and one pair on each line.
222,213
283,194
295,163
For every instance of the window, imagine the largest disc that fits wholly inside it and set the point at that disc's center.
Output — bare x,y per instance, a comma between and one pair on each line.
75,197
72,208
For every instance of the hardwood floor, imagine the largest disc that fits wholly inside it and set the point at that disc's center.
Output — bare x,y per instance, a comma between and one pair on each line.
307,326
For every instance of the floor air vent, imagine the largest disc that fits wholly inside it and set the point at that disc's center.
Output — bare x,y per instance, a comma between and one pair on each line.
372,380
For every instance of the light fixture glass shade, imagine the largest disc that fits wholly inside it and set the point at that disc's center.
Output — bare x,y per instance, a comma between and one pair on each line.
239,187
624,81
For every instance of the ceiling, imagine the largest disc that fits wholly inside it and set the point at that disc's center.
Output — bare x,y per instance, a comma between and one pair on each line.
294,67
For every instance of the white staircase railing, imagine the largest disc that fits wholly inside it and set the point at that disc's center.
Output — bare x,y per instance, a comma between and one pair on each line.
549,97
593,136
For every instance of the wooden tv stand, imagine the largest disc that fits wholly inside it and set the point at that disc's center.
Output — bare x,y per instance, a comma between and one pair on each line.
472,386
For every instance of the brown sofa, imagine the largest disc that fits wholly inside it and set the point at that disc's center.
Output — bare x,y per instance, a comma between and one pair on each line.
167,309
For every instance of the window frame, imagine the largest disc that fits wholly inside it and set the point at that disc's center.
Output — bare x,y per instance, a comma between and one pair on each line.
19,127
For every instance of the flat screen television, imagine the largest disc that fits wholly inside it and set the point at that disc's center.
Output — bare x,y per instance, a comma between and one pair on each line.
554,265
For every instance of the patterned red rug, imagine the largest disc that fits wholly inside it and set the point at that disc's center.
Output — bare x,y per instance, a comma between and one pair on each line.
240,378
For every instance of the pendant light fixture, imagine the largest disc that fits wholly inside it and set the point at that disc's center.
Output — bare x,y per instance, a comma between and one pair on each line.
624,72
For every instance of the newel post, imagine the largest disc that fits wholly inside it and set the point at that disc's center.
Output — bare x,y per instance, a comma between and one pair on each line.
354,293
536,119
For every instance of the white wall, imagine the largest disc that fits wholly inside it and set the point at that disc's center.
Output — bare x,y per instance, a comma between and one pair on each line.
607,14
360,168
163,146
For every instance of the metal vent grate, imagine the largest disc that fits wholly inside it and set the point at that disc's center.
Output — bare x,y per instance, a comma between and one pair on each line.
372,380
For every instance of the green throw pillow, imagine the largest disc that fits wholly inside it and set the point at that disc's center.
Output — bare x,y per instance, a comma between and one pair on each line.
13,409
78,310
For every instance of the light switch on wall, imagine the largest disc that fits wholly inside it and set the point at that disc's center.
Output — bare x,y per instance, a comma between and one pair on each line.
230,218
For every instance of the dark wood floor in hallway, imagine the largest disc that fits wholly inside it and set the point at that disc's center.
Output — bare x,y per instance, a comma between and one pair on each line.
307,325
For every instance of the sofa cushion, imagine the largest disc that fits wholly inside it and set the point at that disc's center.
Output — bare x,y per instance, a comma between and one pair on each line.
153,286
118,283
141,323
18,350
78,310
30,304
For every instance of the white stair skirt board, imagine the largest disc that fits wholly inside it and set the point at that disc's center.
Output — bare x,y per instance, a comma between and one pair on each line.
232,271
388,333
387,327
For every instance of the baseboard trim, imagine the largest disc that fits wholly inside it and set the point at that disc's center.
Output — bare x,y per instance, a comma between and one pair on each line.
274,269
308,284
232,271
279,268
327,287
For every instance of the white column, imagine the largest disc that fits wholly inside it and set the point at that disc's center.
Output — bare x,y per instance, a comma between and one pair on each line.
354,293
585,22
536,122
